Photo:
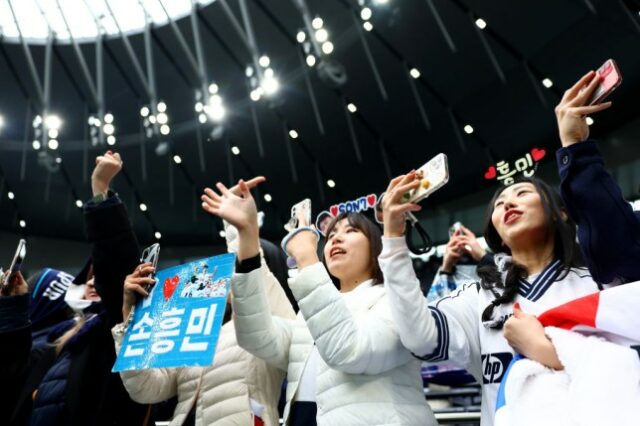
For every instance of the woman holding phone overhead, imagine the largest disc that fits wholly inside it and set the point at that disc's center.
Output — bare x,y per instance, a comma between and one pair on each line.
346,364
538,266
608,228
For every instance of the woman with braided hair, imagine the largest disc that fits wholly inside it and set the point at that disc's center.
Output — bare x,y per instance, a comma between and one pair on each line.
483,324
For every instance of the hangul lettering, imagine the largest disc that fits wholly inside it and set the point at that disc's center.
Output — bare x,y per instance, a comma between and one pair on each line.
524,163
138,329
131,351
139,333
503,169
169,327
170,323
162,346
200,323
529,173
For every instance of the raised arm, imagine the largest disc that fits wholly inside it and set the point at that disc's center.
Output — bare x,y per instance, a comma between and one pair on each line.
257,331
444,330
608,228
15,344
115,251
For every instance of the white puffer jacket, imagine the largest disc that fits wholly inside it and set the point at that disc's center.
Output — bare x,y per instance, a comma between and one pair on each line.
365,376
237,385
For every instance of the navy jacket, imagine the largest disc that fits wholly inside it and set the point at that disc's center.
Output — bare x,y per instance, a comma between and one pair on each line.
608,228
92,394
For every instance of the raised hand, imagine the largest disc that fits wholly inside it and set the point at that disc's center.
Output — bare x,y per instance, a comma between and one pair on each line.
471,244
452,253
17,285
393,209
572,110
107,167
251,183
239,210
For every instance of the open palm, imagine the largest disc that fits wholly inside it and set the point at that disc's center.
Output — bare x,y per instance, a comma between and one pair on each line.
238,210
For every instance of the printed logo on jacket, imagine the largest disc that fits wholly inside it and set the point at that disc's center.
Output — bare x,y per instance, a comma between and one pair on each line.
494,365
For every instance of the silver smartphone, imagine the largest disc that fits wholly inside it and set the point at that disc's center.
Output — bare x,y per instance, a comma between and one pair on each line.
151,255
300,215
16,263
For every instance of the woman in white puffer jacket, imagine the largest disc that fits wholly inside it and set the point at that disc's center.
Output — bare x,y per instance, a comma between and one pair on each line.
358,371
239,389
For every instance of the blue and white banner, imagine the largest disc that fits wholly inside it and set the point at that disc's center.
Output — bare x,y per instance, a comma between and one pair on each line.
179,323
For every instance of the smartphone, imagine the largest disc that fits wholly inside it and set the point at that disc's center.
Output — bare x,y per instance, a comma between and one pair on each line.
611,79
16,263
151,255
300,215
433,175
454,228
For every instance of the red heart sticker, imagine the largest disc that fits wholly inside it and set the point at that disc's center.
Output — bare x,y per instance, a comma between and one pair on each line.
490,173
169,286
371,199
334,211
538,154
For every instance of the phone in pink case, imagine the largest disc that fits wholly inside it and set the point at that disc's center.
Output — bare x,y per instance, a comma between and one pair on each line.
611,79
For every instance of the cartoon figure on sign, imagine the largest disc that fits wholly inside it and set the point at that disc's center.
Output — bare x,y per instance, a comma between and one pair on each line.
201,283
526,165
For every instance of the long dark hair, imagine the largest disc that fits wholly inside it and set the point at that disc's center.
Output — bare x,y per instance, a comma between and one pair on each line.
565,247
373,234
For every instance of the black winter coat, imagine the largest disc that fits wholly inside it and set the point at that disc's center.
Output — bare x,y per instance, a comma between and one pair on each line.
93,394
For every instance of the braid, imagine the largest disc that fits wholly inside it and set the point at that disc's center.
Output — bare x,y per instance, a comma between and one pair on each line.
491,279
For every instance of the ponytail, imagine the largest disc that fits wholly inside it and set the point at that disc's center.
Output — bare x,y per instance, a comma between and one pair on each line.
491,279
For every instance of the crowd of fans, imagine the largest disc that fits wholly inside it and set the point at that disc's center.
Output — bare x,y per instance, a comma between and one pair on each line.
349,341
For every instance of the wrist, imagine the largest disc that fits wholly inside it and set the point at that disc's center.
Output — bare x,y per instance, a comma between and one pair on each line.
126,311
547,354
568,141
306,259
392,230
99,187
477,255
248,244
447,269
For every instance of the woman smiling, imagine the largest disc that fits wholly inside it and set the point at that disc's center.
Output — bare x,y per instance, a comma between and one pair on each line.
481,325
346,364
